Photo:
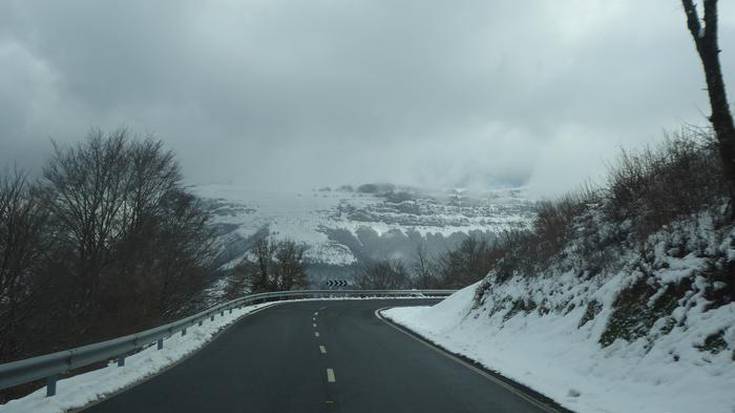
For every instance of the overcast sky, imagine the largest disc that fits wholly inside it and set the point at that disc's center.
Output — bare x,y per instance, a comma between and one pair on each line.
302,93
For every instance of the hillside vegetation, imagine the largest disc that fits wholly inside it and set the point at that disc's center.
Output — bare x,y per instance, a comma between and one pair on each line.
660,232
626,289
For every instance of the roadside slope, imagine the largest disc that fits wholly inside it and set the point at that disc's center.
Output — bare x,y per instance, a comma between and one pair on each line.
652,331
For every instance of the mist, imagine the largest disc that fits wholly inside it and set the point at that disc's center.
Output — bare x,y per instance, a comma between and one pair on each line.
267,94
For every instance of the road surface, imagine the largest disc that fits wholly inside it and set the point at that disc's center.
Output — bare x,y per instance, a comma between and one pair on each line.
318,356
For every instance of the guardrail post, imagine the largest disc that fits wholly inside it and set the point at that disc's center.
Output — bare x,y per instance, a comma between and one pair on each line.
222,313
159,344
183,331
200,322
230,311
51,385
121,361
211,318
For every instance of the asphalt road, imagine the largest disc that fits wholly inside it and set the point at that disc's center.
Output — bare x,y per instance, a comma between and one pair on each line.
318,356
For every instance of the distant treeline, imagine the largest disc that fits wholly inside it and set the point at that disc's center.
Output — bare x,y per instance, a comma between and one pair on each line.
106,242
271,265
458,267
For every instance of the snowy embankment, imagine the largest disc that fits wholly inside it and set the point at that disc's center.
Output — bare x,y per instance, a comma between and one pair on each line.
83,389
653,332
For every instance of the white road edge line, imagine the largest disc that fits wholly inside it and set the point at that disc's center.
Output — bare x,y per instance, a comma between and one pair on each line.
323,349
451,356
330,376
316,334
314,324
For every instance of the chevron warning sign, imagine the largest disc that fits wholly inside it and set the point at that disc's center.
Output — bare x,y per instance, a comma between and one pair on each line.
337,283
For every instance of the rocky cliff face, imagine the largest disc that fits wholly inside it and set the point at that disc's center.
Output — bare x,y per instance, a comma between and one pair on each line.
344,226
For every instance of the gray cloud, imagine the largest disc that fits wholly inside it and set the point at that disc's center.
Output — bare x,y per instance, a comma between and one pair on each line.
297,94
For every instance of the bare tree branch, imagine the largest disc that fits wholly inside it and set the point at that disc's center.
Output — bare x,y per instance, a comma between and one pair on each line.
706,41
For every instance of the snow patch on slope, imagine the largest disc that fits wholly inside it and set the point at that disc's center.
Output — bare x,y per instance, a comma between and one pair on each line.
291,215
672,351
552,356
308,217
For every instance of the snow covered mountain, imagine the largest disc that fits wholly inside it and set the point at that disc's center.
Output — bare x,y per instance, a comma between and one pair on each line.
342,226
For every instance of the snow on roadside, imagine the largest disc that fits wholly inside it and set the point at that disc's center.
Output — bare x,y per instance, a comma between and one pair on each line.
83,389
553,356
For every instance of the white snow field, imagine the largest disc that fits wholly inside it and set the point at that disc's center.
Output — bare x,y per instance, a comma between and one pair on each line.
80,390
305,217
550,355
546,331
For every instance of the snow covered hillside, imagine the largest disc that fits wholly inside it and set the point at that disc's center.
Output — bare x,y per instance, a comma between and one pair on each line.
343,225
638,326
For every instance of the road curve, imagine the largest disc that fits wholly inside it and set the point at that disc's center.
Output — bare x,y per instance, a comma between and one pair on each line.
318,356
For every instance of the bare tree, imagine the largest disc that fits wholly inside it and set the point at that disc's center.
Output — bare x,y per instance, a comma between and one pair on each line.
86,187
468,263
383,275
108,240
290,266
22,220
154,173
424,271
705,39
260,272
236,285
274,266
183,252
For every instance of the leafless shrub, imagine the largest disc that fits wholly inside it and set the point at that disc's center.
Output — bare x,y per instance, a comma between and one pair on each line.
645,191
290,266
660,184
552,226
468,263
383,275
274,266
424,270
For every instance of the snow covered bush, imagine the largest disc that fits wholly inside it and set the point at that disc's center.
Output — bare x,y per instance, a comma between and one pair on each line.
619,299
681,176
661,234
653,330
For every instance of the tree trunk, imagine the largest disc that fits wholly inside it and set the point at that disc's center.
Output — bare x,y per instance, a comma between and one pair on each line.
705,38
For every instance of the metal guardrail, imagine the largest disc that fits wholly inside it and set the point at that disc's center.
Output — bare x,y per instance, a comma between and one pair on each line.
52,366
